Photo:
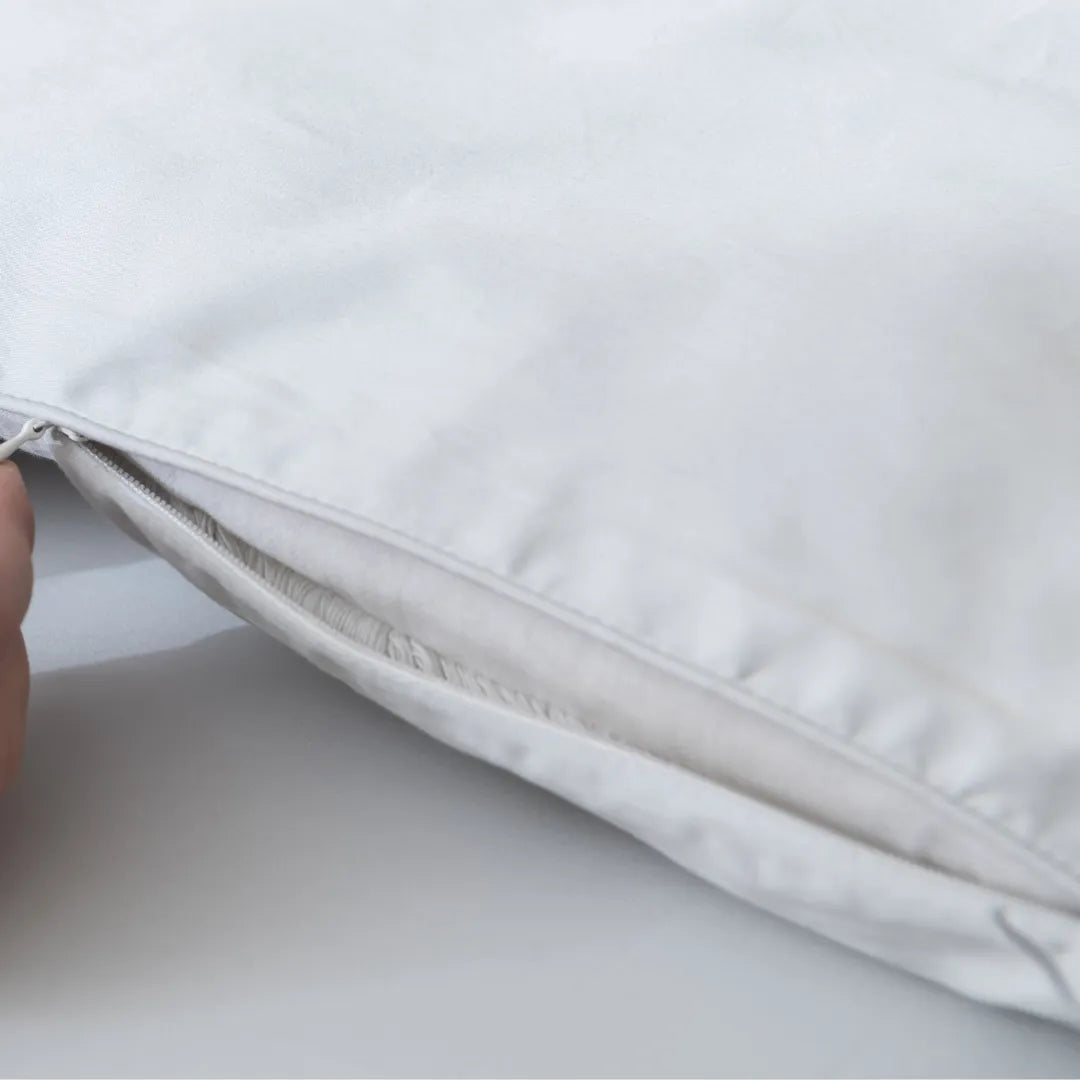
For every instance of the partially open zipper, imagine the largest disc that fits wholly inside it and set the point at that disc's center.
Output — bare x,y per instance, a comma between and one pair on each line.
690,817
311,600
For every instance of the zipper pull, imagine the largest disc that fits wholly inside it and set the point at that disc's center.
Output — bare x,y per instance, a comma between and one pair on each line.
31,430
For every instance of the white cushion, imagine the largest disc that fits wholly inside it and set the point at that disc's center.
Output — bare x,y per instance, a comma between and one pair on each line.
680,397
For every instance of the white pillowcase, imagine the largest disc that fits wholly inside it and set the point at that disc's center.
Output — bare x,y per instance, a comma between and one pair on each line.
674,404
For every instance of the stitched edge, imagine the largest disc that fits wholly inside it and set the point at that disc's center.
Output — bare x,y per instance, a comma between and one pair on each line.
677,666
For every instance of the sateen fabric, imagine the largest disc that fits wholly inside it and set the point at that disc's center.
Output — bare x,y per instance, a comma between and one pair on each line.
738,338
990,945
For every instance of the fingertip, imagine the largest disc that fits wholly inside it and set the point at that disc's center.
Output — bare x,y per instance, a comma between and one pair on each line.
14,698
15,500
16,543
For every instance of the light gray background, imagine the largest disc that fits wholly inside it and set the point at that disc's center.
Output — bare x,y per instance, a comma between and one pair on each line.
220,862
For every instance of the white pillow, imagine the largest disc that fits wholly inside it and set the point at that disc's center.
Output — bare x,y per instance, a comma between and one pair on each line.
672,403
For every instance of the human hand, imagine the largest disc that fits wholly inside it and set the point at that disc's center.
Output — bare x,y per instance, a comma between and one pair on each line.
16,577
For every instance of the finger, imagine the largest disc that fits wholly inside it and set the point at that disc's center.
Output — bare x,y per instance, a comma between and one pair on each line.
16,541
15,502
14,698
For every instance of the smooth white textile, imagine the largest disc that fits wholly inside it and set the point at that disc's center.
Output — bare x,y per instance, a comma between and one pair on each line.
736,339
218,861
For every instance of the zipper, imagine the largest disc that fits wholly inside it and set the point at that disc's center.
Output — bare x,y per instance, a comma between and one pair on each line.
407,652
146,492
31,431
465,680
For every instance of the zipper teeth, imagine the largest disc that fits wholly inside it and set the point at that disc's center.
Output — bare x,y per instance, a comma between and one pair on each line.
192,529
148,492
388,644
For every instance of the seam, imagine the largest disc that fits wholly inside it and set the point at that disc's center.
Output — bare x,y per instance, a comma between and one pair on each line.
353,625
679,667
